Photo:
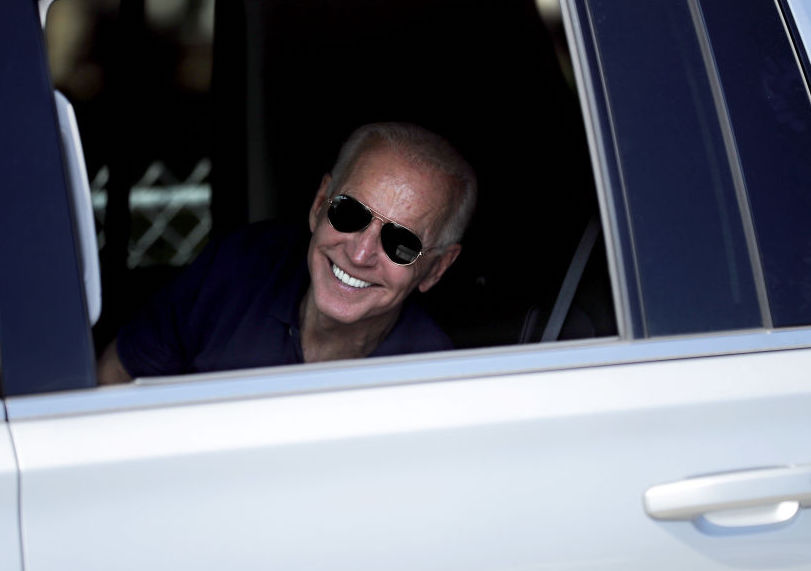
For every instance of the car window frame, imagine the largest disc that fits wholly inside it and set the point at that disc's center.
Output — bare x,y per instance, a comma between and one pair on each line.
368,374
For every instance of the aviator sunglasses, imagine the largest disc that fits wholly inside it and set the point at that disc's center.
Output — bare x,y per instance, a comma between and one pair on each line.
347,214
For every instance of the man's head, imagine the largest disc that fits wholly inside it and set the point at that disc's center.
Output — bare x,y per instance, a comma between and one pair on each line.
408,184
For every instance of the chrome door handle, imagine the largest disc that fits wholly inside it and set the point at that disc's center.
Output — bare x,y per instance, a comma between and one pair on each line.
757,497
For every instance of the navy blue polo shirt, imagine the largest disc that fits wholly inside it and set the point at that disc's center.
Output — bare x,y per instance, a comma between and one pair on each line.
237,306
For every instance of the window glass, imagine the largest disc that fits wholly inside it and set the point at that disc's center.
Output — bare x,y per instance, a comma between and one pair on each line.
770,112
688,242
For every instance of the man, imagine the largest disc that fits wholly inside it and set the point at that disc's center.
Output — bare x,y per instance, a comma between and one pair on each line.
386,221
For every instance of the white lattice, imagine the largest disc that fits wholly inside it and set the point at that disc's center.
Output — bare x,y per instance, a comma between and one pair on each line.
170,218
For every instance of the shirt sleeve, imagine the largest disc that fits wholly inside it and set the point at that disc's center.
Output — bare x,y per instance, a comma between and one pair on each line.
218,313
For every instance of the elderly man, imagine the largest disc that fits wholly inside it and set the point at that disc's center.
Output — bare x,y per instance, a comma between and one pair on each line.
386,221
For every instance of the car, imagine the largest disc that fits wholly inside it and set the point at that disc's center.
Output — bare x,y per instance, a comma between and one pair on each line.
671,434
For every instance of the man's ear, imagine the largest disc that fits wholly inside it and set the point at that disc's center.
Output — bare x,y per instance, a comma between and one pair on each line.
321,198
440,265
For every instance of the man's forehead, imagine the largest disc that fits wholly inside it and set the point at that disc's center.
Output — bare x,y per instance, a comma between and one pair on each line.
398,166
394,183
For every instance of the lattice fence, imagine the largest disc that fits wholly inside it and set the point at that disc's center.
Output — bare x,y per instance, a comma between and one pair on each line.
171,219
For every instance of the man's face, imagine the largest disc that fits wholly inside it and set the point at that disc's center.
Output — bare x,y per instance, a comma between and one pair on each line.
353,279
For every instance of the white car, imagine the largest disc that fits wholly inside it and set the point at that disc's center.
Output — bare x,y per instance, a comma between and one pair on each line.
681,442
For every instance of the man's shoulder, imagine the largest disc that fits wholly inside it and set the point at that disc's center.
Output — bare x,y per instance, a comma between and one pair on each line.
194,323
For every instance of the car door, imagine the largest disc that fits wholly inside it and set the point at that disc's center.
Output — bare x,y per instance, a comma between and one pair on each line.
488,471
678,444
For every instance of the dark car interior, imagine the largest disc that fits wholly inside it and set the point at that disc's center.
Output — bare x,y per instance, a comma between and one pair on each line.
291,78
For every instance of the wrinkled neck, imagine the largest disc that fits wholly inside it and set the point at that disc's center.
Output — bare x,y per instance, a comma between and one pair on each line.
324,338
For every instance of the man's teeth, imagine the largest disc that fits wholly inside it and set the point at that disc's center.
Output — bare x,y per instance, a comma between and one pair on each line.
345,278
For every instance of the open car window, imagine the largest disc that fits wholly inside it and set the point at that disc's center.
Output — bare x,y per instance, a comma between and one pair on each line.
211,140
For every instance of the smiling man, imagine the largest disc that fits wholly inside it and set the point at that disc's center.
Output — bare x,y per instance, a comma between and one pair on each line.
387,221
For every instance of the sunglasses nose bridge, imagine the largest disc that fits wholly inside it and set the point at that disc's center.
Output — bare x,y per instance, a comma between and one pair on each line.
365,243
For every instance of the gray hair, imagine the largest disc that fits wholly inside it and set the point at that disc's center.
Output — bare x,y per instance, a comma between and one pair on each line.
422,148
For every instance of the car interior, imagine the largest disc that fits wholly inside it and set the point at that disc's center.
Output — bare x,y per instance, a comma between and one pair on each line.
285,81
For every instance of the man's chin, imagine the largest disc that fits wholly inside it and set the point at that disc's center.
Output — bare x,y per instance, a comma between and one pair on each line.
333,306
349,314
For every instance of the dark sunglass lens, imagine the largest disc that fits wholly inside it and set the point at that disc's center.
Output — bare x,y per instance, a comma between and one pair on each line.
400,244
347,214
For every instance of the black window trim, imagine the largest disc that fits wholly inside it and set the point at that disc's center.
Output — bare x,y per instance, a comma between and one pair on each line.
734,160
607,171
45,335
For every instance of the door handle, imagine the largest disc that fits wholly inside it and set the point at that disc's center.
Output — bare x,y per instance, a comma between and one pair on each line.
745,498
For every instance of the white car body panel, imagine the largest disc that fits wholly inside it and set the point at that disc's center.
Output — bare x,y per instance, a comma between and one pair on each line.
419,476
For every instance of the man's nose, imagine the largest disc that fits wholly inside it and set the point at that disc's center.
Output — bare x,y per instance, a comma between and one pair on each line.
364,246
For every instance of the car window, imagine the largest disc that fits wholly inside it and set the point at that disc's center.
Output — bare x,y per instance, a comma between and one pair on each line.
152,167
770,115
675,184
